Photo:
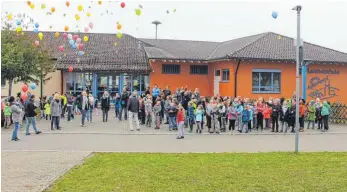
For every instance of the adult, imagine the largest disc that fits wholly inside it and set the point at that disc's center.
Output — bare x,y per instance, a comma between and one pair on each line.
105,105
91,107
260,110
83,106
30,115
55,109
147,92
16,117
69,108
123,104
133,108
155,93
197,94
167,92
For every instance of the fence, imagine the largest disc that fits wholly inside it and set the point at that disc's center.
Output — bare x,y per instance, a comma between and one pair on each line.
338,113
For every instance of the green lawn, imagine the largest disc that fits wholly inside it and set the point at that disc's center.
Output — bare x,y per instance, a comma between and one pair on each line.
137,172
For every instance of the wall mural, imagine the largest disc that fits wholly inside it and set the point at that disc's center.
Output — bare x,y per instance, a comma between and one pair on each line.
321,88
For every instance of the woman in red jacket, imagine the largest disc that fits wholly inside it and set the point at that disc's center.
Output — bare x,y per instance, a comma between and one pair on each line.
180,121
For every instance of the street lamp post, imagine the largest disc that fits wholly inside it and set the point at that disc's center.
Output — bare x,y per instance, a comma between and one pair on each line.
156,23
298,43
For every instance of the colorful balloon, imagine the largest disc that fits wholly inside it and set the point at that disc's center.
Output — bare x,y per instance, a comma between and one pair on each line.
75,37
37,25
88,14
32,6
57,34
138,12
61,48
80,8
99,2
91,25
115,44
9,17
174,10
29,2
40,35
122,4
69,36
85,38
66,28
24,88
33,86
18,22
119,26
52,9
119,35
70,69
79,46
19,29
86,29
24,96
64,35
36,30
74,46
71,42
77,17
79,40
43,6
37,43
67,4
274,14
80,53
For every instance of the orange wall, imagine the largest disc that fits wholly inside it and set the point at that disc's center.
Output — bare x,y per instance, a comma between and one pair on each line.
179,80
225,88
318,83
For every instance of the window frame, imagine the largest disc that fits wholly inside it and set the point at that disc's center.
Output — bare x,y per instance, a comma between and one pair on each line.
272,86
217,73
199,69
173,72
228,76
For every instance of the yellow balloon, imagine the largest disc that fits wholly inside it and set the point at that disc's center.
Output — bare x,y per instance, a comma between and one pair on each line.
119,35
32,5
43,6
19,29
88,14
138,12
9,16
57,34
77,17
115,44
40,35
85,38
80,7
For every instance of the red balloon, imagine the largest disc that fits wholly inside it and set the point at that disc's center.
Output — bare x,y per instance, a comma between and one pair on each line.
65,35
80,46
122,4
75,37
70,69
24,96
24,88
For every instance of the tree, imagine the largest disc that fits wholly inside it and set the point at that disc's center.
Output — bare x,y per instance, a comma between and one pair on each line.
21,60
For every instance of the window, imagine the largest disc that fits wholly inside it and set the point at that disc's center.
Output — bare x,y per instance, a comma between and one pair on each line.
225,75
171,69
3,82
266,81
199,69
217,73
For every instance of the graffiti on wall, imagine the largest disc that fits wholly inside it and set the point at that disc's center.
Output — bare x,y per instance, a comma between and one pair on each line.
321,88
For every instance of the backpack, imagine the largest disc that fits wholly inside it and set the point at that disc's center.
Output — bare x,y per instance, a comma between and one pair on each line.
245,115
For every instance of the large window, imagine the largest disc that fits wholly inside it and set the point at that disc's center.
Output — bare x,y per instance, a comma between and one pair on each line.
225,75
199,69
266,81
171,69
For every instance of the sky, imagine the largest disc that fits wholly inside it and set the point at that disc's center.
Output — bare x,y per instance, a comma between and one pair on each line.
323,22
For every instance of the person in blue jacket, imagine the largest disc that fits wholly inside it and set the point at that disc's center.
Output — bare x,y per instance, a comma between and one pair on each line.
155,93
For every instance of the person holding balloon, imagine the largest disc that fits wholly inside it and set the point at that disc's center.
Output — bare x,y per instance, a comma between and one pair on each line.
16,117
30,115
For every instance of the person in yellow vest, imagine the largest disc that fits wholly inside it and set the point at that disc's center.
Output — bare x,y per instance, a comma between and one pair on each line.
48,110
63,101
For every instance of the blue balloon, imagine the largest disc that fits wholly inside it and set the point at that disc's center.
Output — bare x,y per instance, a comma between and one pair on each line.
74,46
274,14
37,25
80,53
36,30
18,23
71,42
33,86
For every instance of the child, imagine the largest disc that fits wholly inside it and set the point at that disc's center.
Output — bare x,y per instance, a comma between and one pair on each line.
157,114
251,111
166,111
199,116
245,116
284,117
180,121
291,117
221,116
7,114
172,111
274,116
267,114
232,115
213,113
42,108
48,110
325,115
319,116
255,112
191,116
239,114
302,112
148,111
311,116
117,106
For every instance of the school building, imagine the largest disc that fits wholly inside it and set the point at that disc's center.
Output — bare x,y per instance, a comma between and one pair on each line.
253,66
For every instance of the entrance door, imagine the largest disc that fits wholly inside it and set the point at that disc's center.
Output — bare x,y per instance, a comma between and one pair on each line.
217,79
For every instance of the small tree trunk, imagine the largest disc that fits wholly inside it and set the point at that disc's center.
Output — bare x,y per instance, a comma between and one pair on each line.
10,87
